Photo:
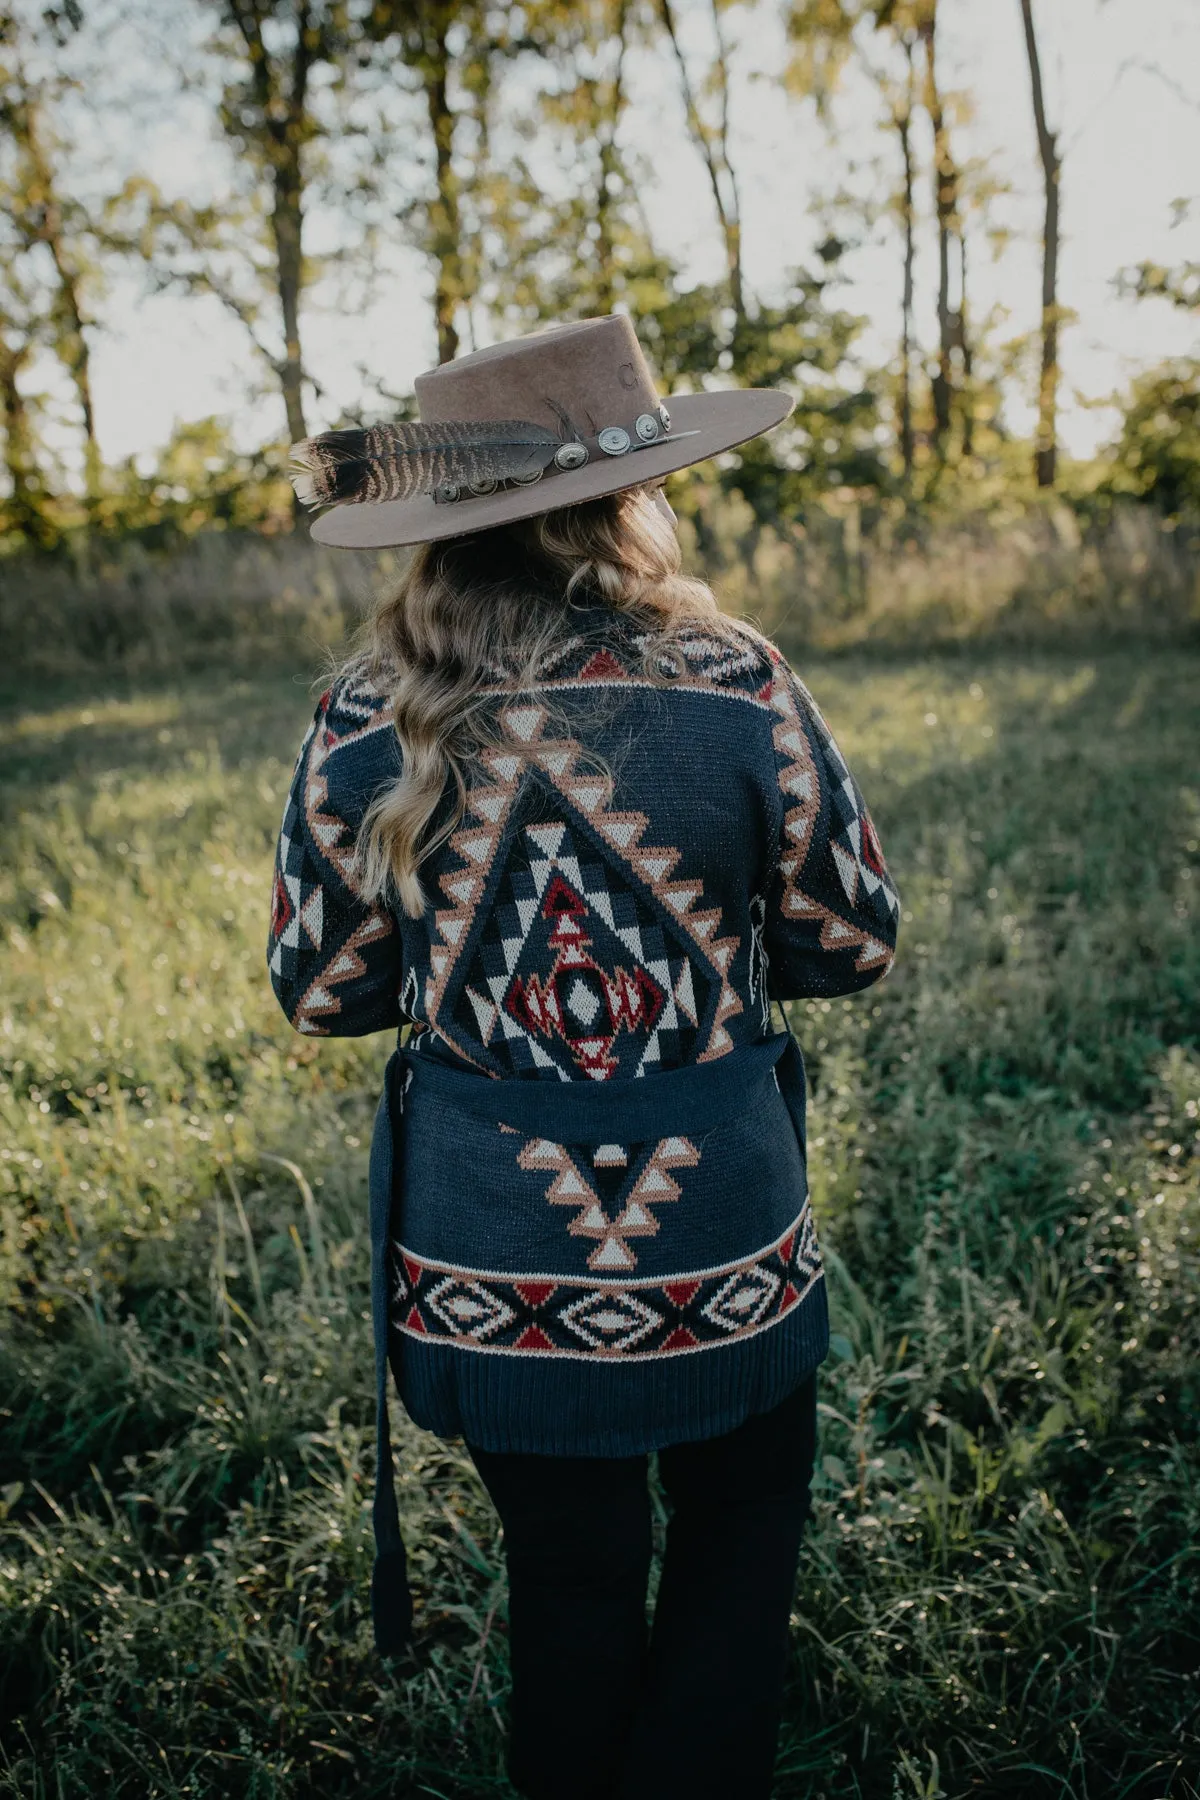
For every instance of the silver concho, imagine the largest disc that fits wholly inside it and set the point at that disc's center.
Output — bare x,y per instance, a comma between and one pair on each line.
664,418
647,427
445,492
614,440
483,487
526,480
570,456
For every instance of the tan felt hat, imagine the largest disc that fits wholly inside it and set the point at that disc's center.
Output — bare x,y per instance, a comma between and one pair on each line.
565,415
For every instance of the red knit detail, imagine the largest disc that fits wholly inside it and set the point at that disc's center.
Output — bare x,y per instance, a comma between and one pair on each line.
533,1338
680,1339
281,908
872,849
601,667
414,1321
680,1292
535,1293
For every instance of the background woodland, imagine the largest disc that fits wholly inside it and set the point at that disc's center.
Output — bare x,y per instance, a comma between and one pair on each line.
999,1594
498,143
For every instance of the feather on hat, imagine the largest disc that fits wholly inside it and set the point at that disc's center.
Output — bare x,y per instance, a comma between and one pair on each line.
575,404
393,462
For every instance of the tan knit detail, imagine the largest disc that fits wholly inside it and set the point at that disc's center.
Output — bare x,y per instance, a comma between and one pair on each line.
570,1187
488,807
320,1000
331,834
801,788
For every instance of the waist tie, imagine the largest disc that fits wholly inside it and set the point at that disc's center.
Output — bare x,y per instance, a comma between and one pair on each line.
693,1098
391,1598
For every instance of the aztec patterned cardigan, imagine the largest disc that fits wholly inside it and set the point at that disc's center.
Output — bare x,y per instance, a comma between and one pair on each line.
592,1231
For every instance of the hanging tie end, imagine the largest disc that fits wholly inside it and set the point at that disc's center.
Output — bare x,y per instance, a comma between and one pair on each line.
391,1603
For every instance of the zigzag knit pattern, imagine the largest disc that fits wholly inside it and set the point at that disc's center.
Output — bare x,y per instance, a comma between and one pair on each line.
641,867
579,935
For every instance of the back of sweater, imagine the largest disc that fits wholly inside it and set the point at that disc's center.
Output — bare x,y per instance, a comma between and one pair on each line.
641,868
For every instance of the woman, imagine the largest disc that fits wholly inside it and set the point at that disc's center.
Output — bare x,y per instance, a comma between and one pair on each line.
577,830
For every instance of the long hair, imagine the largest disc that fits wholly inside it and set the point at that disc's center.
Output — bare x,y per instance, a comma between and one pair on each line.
486,611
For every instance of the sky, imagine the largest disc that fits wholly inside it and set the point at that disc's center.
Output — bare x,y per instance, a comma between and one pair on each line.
1123,90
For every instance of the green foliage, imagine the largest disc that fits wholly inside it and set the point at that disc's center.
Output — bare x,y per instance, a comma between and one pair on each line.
1153,281
803,344
1001,1586
1156,456
50,274
198,481
500,144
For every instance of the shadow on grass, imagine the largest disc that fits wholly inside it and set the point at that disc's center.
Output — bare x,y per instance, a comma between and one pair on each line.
77,732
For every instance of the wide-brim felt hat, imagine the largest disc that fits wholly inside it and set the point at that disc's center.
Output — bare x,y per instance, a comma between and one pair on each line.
563,416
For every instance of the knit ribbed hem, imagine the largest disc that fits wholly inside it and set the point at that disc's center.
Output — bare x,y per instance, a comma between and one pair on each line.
538,1406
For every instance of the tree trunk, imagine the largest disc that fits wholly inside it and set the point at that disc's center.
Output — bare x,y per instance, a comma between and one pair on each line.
444,216
284,127
968,359
609,170
24,503
47,227
1045,447
714,149
733,212
904,128
73,348
287,222
422,31
946,208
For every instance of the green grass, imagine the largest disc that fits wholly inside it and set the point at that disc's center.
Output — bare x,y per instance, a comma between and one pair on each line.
1000,1594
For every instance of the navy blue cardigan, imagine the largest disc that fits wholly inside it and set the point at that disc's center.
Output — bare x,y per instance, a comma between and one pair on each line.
595,1237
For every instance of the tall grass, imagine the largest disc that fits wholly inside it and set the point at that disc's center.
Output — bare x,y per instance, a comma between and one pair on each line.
846,577
842,579
229,598
1000,1593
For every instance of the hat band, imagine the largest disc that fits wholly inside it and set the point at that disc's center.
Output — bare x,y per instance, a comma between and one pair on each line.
648,429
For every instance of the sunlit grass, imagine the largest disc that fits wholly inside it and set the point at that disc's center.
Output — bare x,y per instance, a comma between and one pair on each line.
1002,1585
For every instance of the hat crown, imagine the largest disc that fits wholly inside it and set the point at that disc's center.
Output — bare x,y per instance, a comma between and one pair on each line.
592,371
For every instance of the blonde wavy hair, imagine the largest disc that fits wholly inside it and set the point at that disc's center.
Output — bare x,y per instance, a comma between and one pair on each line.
476,616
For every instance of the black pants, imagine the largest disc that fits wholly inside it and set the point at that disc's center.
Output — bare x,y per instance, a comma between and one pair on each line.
602,1707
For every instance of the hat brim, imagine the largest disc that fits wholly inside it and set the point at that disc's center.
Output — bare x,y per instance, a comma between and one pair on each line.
702,425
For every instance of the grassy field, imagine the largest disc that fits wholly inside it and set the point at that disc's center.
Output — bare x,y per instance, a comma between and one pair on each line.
1000,1595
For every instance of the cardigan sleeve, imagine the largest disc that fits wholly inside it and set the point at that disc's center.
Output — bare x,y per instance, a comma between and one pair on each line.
335,959
831,907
